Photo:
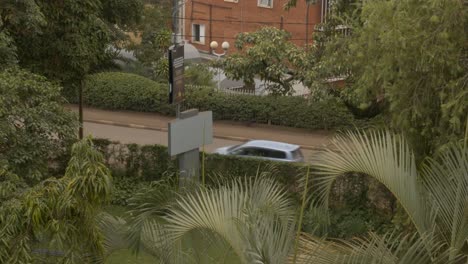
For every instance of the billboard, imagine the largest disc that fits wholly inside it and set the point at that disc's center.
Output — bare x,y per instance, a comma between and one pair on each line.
190,133
176,74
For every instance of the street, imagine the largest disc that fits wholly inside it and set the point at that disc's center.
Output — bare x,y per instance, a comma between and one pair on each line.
146,136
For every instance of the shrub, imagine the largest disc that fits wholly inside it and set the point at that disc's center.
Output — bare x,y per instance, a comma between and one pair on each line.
123,91
354,209
134,166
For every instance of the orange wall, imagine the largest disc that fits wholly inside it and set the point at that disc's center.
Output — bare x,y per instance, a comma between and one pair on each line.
223,20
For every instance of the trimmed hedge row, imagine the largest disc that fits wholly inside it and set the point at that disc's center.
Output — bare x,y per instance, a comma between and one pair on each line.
124,91
152,162
134,166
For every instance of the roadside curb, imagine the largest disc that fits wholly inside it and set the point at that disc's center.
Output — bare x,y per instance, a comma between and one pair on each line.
163,129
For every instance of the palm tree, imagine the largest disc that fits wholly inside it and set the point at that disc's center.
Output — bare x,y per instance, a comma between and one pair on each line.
250,220
255,218
434,195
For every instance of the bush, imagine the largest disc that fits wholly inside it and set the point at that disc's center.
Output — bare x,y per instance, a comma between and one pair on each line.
354,208
134,166
123,91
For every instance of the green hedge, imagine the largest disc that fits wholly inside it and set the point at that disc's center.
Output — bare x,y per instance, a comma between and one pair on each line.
357,204
123,91
134,166
152,162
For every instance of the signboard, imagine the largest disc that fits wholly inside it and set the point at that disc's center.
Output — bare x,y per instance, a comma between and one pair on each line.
190,133
176,74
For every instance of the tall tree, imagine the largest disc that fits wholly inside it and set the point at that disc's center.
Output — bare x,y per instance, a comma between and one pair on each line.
65,40
34,126
409,56
155,29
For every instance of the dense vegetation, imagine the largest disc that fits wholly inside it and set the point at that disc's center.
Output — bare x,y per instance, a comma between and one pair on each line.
131,92
405,58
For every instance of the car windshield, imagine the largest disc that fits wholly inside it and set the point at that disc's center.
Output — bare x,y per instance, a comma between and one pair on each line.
233,147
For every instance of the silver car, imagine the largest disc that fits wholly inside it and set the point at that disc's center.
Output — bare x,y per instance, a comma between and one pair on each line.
265,149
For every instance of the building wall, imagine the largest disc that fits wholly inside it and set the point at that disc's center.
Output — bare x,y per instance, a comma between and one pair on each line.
223,19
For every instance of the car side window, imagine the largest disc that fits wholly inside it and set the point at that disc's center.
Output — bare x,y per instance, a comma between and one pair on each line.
241,151
276,154
249,152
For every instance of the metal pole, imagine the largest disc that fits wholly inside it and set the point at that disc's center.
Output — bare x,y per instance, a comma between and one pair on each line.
174,22
219,74
307,27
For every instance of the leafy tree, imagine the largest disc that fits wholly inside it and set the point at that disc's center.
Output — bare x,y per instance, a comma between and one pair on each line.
124,13
410,57
65,40
56,215
268,54
198,74
7,50
155,38
34,126
19,18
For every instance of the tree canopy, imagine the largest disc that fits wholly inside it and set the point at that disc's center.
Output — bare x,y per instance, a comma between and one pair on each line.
406,59
64,40
409,56
34,126
268,54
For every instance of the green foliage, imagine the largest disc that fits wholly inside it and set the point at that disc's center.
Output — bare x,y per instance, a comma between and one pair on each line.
16,18
250,220
65,40
84,38
155,39
56,215
7,50
130,92
411,57
430,193
127,92
268,54
125,13
351,212
34,126
199,75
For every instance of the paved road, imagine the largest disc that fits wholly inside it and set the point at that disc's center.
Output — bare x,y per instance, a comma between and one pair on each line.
147,136
222,129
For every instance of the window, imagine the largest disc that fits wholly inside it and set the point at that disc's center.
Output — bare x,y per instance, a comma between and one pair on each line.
260,152
265,3
275,154
198,33
248,152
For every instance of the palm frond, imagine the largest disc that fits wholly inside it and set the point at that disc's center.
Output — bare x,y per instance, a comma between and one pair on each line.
446,179
387,249
254,216
383,156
